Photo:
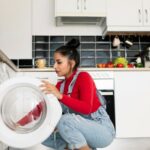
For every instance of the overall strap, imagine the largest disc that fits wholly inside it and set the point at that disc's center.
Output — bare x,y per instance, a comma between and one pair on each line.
71,85
100,97
64,107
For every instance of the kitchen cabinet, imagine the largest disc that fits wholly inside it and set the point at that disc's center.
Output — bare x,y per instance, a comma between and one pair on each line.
15,28
146,12
44,20
80,8
126,13
132,104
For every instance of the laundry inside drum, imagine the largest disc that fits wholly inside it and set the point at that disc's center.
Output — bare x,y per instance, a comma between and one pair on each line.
23,108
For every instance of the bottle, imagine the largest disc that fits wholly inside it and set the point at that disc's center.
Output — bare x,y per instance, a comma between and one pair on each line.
139,62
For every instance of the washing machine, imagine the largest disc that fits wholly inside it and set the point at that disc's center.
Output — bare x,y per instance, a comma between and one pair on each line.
27,115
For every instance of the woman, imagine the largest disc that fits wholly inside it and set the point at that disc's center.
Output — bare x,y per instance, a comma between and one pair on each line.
84,124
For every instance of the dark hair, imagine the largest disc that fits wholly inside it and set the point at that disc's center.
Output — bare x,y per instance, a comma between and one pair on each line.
70,50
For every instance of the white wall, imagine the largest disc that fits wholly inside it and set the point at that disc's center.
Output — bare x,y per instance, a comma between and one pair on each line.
43,22
15,28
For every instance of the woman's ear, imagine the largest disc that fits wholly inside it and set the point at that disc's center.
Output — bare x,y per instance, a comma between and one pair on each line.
72,62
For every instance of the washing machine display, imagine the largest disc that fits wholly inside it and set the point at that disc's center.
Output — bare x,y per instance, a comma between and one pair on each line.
27,115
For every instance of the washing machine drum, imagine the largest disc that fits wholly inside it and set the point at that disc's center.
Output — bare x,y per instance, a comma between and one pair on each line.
27,116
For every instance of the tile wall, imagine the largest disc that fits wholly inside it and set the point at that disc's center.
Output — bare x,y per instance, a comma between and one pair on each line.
92,49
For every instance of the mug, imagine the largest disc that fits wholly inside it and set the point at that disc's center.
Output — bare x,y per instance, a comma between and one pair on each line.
40,63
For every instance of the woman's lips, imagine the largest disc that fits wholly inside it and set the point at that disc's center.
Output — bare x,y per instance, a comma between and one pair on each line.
57,72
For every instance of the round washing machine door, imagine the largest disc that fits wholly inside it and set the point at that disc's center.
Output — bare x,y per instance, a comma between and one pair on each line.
27,116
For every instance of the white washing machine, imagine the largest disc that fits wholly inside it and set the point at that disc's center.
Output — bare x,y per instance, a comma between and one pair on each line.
27,116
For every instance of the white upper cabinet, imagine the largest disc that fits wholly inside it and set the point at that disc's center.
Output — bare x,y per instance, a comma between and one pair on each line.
44,19
131,13
80,8
146,12
124,12
15,28
67,7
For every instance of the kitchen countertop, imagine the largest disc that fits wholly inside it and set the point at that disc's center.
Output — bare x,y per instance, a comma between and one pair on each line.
84,69
5,59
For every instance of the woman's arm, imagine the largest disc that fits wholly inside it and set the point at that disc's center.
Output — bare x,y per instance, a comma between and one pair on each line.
87,91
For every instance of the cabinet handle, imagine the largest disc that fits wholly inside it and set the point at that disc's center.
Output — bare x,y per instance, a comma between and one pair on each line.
77,4
139,11
146,15
84,4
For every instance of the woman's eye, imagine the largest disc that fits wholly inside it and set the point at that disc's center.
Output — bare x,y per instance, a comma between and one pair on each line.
59,62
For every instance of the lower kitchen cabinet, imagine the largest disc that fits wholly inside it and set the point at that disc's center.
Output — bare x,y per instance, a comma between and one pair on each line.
132,103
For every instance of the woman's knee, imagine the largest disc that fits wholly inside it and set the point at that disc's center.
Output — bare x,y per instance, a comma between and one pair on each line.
65,120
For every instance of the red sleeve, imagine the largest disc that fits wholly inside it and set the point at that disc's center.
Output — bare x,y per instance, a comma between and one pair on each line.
87,91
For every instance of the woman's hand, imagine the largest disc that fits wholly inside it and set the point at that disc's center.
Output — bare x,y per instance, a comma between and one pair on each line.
49,88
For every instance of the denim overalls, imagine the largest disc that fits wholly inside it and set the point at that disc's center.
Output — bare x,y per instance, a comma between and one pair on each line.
77,130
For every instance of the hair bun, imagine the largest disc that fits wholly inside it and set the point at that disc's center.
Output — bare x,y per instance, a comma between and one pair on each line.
73,43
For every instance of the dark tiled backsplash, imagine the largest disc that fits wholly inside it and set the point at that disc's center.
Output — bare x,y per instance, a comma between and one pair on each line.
92,49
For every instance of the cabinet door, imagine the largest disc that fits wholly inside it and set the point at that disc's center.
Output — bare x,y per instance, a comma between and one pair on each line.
146,12
124,12
132,104
80,8
67,7
94,7
15,28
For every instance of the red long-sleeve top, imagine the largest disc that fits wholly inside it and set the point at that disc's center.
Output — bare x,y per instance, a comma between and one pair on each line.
83,98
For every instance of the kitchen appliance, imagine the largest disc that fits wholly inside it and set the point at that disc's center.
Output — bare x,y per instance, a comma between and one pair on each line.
5,73
143,58
27,115
104,81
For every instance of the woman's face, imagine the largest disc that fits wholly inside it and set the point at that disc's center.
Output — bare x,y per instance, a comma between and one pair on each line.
62,65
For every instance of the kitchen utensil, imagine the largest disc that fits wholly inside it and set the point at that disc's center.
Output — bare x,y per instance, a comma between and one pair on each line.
116,41
128,42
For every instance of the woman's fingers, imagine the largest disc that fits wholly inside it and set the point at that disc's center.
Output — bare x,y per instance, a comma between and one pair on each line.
46,82
49,88
46,87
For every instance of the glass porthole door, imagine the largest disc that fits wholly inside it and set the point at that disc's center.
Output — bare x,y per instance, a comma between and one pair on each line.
27,116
